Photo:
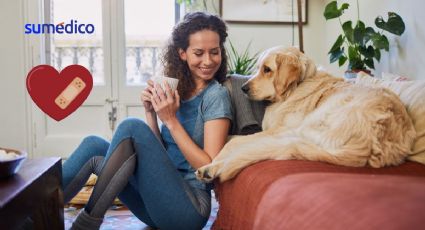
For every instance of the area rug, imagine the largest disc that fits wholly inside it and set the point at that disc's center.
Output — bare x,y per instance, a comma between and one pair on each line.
119,217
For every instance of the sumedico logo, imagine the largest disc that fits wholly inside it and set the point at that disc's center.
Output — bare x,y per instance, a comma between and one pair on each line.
73,27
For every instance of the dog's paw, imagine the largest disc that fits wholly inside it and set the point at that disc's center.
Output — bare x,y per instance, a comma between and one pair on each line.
207,173
202,175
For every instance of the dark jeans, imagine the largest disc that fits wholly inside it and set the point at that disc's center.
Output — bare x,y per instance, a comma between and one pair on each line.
156,193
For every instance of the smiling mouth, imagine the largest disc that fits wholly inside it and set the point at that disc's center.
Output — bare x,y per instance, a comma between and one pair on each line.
206,70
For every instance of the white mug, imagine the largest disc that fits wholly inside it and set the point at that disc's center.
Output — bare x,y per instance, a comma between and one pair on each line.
172,82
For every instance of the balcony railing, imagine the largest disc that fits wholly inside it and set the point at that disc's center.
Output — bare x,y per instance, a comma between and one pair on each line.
142,62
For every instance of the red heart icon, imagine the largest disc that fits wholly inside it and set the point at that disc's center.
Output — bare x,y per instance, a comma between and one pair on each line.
59,94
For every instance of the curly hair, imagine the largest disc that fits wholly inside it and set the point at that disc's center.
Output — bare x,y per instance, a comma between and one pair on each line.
177,68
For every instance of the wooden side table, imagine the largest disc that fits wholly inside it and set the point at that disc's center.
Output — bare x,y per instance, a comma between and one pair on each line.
36,192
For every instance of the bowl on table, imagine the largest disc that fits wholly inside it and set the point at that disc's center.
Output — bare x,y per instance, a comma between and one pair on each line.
10,161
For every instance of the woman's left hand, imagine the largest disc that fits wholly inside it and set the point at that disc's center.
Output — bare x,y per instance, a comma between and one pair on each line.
165,103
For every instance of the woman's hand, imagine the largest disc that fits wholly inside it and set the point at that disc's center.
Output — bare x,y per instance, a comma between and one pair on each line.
146,97
165,103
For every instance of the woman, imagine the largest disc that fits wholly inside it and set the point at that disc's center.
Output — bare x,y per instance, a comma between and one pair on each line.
152,170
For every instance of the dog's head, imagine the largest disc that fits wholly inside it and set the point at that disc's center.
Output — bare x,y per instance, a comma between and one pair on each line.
279,71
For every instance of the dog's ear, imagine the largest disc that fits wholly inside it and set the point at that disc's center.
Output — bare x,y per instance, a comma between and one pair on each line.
308,68
288,72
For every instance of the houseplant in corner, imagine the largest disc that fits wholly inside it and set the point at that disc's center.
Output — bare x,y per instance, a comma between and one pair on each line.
358,43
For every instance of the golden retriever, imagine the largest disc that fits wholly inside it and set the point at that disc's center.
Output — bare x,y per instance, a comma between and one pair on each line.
315,116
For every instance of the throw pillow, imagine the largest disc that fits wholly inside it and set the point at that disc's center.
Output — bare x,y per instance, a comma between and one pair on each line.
412,94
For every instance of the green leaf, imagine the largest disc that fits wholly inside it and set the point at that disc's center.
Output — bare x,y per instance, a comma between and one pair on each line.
352,65
332,11
369,32
352,53
356,64
380,41
394,25
342,60
359,33
335,55
338,43
377,55
348,31
360,25
369,63
354,60
368,52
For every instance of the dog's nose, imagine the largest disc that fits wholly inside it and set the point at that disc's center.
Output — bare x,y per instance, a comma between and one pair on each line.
245,88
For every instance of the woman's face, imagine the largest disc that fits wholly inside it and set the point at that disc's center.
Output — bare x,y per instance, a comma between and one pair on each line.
203,55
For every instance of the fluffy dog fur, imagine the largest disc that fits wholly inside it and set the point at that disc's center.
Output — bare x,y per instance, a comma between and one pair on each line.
315,116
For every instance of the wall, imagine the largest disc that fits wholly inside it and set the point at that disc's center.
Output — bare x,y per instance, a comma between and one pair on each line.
12,77
405,55
266,36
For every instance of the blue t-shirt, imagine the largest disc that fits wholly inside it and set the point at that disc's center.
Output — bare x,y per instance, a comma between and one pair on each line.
212,103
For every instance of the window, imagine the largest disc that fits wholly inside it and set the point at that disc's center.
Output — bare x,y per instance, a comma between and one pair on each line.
147,26
76,48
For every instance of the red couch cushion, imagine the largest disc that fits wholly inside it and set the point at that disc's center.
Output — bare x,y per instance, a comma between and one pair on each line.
239,198
342,201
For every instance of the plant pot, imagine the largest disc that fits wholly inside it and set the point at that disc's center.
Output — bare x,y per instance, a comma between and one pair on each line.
352,74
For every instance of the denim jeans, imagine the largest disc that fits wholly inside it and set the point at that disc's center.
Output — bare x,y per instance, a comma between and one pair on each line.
156,193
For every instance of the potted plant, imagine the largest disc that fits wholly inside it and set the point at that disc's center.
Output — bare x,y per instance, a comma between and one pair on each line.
198,5
358,43
241,63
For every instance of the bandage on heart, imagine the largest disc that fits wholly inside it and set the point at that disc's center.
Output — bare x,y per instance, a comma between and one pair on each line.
70,93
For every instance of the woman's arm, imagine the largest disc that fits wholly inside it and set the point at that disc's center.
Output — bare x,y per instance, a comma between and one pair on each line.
149,110
215,131
215,135
153,124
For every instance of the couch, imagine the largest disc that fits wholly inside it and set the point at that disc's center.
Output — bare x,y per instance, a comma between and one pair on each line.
297,194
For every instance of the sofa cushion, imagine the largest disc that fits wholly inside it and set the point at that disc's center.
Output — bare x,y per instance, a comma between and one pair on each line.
239,197
247,114
412,94
341,201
